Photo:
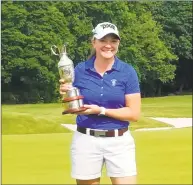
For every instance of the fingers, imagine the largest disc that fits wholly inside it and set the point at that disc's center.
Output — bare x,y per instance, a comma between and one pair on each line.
92,109
61,81
86,112
62,92
64,86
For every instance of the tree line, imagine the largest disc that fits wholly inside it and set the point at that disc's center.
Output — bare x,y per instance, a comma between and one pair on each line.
156,39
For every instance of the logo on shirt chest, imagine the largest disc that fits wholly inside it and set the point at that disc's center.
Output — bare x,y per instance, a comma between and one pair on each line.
113,82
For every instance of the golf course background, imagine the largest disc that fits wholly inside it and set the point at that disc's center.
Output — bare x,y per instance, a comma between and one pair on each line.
35,147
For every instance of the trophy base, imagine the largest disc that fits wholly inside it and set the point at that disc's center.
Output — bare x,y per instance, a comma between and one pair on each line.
74,110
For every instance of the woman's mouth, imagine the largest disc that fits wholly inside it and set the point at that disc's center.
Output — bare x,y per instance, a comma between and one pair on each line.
107,51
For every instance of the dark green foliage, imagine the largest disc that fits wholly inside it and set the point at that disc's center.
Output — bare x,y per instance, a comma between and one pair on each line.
155,39
176,20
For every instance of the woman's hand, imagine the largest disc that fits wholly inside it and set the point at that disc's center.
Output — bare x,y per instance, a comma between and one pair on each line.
64,86
91,109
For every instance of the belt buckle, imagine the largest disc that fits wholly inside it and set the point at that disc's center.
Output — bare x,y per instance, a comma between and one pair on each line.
100,133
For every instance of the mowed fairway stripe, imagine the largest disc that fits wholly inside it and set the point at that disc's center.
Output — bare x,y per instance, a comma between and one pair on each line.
163,157
36,158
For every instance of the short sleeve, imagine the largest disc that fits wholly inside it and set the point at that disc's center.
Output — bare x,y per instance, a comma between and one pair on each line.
132,84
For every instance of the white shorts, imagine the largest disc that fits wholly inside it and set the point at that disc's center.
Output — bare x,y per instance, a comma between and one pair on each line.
89,153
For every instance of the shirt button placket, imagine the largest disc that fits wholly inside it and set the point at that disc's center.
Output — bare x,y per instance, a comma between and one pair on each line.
102,87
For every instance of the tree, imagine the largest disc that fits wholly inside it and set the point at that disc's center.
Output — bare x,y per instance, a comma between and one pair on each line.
28,69
176,20
140,41
29,29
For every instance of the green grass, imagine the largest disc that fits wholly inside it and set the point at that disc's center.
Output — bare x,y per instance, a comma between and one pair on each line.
47,118
34,118
168,106
163,157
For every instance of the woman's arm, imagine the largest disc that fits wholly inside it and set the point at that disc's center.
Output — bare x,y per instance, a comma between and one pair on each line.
129,113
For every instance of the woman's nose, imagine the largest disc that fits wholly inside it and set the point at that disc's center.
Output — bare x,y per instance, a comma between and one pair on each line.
108,44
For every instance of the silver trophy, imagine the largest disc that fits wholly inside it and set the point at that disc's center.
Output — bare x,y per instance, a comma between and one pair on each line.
72,100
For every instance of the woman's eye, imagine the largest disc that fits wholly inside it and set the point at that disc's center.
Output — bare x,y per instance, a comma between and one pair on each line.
111,41
114,41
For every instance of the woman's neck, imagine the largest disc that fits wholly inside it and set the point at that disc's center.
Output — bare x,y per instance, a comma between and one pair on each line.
102,65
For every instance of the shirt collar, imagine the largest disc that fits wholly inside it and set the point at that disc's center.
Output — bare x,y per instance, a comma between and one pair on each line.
90,64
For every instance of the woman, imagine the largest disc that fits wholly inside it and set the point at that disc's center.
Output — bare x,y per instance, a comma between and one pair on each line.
112,97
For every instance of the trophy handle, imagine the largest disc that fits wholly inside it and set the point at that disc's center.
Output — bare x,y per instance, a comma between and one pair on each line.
53,49
64,48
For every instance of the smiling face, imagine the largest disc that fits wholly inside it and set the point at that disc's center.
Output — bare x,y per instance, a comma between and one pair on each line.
106,47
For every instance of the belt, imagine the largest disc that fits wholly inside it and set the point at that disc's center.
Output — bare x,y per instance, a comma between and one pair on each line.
102,133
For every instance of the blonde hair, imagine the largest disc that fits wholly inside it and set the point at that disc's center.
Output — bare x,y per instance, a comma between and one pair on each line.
93,51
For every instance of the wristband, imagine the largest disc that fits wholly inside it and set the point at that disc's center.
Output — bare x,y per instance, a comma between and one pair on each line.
102,112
